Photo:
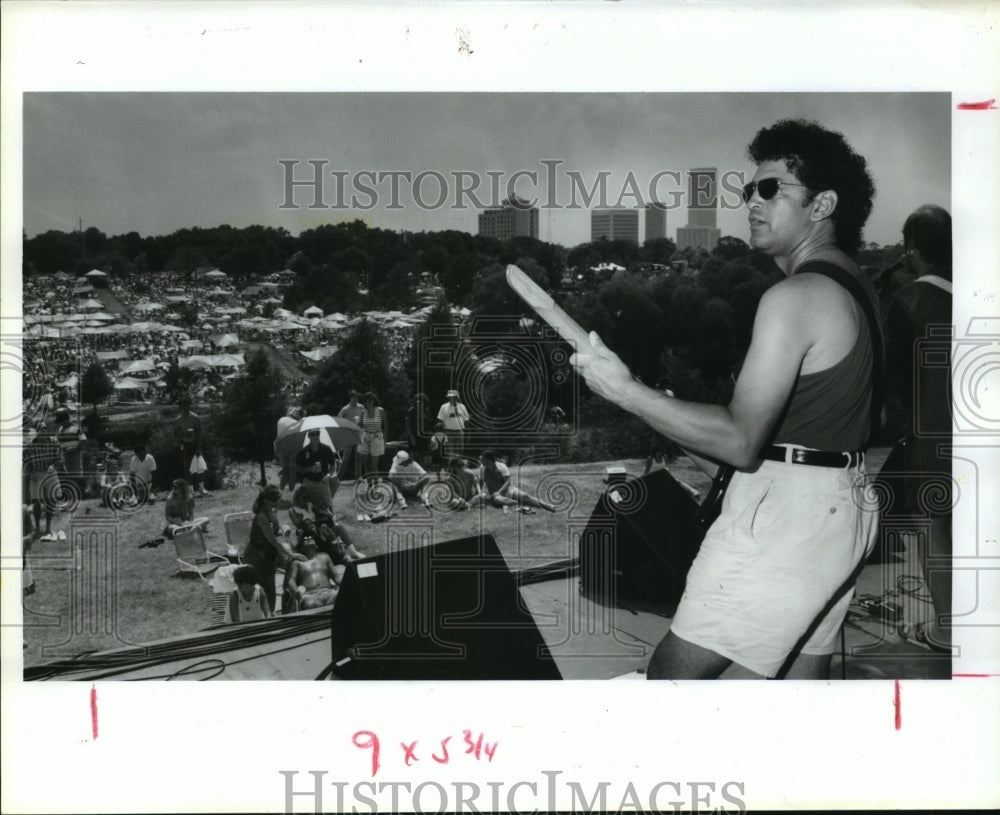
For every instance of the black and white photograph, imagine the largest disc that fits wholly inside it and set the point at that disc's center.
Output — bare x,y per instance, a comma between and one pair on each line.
458,389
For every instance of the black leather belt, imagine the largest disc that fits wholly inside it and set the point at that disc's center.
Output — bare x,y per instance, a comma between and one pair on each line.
813,458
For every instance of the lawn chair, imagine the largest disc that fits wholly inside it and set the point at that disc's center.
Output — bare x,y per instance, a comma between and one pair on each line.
222,586
238,525
192,556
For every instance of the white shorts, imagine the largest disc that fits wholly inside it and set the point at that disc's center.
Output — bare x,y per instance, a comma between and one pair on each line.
788,537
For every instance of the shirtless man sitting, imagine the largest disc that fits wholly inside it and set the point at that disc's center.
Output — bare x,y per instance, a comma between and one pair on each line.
316,580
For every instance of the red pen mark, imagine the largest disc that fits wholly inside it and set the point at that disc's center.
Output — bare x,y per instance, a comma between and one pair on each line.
899,708
371,740
409,756
93,712
976,676
987,105
444,746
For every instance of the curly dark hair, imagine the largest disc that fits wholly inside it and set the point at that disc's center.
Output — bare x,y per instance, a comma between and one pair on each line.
822,160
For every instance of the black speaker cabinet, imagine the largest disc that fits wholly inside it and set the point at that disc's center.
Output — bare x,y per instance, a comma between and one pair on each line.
447,611
639,543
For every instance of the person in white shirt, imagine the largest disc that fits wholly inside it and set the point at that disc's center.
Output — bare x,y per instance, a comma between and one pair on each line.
454,416
141,469
408,478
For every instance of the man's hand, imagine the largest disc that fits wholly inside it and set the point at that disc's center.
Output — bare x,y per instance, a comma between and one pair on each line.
602,370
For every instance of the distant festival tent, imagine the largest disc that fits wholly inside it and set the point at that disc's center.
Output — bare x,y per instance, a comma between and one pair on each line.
147,307
215,274
313,311
139,366
94,274
224,340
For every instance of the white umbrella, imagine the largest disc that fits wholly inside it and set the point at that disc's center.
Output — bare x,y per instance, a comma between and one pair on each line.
333,432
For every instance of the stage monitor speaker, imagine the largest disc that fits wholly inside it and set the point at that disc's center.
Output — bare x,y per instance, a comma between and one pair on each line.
447,611
639,543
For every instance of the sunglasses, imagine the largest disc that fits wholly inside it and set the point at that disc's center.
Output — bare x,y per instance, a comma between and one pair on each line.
766,187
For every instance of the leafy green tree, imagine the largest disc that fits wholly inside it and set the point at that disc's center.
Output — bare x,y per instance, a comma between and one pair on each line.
95,387
253,403
361,363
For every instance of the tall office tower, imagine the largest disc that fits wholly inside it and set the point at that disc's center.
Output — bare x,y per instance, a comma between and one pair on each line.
703,202
514,219
656,221
615,225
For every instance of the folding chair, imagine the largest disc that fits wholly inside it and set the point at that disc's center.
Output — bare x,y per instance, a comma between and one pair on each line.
192,556
222,586
238,525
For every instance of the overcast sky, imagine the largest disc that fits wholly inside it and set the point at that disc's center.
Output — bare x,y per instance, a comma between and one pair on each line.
156,162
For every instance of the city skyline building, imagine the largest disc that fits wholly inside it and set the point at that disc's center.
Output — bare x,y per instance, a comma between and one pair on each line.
701,230
513,219
656,221
614,225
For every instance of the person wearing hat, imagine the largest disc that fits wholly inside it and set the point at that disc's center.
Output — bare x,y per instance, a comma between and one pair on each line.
454,415
316,465
408,479
289,476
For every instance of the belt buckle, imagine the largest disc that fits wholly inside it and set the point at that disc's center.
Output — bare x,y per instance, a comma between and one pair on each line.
797,455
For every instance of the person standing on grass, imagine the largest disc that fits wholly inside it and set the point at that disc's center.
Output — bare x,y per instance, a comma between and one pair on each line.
289,476
353,411
188,430
316,464
454,416
264,549
141,469
43,458
374,430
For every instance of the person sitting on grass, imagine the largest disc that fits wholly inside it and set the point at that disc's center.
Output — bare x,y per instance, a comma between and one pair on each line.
179,510
494,483
314,582
408,479
331,537
464,485
248,601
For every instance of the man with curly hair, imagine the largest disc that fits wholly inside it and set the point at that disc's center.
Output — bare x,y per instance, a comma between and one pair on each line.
771,584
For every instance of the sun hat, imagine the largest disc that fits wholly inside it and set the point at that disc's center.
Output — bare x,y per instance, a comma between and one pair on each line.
402,457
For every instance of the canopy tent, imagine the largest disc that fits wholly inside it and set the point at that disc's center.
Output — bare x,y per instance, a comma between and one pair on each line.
95,273
139,366
216,274
101,315
224,340
319,354
178,298
202,361
129,383
313,311
147,307
108,356
140,327
188,345
217,292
